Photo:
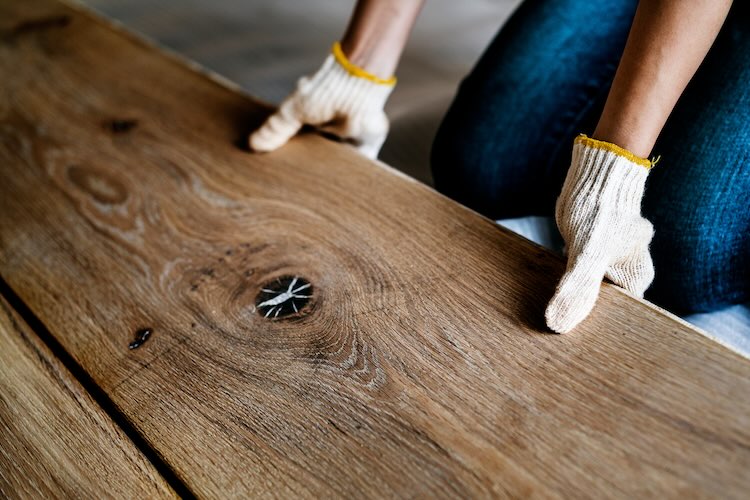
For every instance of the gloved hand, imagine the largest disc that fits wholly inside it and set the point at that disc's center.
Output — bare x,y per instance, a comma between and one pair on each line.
599,216
339,98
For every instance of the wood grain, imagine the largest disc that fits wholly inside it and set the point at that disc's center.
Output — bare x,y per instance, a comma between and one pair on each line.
420,366
54,439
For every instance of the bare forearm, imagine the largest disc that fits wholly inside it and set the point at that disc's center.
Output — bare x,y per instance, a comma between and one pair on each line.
667,43
377,33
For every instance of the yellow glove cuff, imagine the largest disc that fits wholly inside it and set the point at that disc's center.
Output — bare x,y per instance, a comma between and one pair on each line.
355,70
614,148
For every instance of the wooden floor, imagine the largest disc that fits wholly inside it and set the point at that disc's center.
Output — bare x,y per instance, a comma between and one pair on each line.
156,261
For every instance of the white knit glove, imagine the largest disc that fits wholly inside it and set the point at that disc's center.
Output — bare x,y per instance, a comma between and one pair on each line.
599,216
340,98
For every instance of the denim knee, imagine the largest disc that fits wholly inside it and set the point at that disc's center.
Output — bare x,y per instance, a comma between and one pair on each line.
699,267
504,145
456,169
469,168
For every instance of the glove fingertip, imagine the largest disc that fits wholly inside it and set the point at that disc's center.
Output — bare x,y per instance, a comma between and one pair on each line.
256,144
571,304
272,135
262,141
369,153
556,317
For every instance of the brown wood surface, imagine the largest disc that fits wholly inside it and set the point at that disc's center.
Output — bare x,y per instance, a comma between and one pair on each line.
421,365
55,441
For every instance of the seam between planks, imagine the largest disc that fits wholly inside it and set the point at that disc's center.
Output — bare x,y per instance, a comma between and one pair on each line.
96,392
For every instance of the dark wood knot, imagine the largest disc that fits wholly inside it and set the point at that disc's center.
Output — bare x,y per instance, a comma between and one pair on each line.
141,336
284,296
120,126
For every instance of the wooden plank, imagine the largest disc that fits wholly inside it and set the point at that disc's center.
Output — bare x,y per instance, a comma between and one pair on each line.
419,367
55,441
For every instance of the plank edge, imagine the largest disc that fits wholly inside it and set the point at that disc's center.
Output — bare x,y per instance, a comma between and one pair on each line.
98,396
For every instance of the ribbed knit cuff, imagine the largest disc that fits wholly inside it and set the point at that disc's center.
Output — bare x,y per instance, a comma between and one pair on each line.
351,93
608,170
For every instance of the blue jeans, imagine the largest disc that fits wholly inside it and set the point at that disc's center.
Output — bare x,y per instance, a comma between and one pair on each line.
505,144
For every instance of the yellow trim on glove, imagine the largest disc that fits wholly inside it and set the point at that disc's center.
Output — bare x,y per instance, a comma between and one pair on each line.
614,148
354,70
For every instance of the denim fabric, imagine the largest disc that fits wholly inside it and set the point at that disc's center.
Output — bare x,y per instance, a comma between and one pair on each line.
505,144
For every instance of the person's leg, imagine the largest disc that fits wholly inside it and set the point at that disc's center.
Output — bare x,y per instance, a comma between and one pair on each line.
504,145
698,196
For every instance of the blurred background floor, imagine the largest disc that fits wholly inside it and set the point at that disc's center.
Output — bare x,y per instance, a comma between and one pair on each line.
266,45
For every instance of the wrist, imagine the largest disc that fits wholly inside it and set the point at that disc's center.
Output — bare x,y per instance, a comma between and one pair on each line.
637,135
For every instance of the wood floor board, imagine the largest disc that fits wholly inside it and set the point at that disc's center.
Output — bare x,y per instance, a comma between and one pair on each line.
420,366
55,441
